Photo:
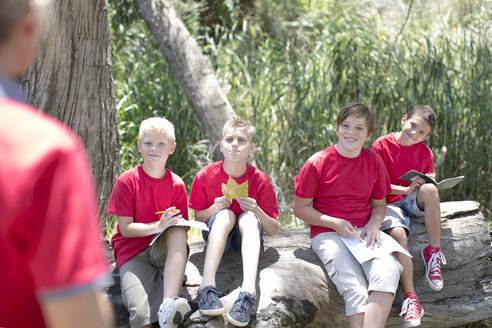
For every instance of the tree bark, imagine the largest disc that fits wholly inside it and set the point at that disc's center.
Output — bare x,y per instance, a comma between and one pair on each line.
72,80
189,65
294,291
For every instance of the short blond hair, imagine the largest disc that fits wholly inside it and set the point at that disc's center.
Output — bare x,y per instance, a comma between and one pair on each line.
159,125
239,123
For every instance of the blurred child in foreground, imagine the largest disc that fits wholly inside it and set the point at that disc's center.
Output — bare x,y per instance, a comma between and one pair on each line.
53,260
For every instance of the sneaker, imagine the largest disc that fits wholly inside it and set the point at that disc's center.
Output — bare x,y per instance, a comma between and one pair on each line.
208,301
240,314
432,258
413,310
172,312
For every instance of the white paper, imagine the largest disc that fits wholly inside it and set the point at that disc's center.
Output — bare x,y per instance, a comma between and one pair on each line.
183,223
363,253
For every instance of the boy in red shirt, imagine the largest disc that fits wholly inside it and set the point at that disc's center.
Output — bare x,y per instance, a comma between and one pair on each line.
340,191
151,276
401,152
235,224
53,264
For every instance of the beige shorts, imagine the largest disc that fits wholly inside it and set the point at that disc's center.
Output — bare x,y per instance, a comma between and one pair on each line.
354,280
141,283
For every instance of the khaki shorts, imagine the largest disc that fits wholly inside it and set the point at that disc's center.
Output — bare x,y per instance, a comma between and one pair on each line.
354,280
141,283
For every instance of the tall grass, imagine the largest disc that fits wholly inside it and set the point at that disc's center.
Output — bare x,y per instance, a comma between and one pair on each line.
292,66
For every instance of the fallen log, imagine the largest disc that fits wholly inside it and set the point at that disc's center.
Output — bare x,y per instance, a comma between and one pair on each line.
294,291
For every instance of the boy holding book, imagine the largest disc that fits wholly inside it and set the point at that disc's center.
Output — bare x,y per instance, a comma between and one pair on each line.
401,152
151,277
340,191
236,219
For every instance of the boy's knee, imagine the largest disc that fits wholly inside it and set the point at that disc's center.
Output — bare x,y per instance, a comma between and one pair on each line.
225,216
248,221
225,213
429,191
400,235
176,236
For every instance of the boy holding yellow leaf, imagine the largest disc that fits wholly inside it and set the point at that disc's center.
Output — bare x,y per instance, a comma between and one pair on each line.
237,202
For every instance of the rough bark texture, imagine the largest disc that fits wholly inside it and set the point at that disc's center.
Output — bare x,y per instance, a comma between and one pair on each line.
189,65
293,290
72,80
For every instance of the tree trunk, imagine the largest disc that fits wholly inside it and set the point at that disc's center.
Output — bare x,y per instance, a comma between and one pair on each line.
293,289
189,65
72,80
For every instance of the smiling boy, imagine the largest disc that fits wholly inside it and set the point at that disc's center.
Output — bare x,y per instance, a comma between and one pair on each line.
401,152
235,224
151,277
340,191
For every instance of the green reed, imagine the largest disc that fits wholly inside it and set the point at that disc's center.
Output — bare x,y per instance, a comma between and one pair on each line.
291,71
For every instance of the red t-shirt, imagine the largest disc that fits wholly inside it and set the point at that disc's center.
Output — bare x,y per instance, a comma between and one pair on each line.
342,187
400,159
137,195
208,185
50,241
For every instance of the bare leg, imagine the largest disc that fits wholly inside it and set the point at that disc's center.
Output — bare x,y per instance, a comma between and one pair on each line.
378,309
356,320
428,200
250,250
406,279
223,225
175,261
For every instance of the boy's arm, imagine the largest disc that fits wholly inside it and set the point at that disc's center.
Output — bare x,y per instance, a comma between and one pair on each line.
269,224
220,203
401,190
303,209
371,229
90,309
131,229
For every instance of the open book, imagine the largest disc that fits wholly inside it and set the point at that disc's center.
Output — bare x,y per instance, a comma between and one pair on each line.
363,253
183,223
444,184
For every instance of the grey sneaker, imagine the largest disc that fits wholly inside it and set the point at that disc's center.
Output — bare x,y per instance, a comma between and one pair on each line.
172,312
240,314
208,301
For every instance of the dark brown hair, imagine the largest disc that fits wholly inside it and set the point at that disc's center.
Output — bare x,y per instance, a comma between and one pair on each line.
359,110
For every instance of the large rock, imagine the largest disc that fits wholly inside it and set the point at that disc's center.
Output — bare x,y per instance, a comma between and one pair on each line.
293,289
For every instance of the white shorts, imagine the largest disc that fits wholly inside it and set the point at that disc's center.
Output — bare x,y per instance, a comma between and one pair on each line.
354,280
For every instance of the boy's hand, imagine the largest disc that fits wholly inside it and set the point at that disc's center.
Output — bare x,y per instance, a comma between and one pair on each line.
344,228
415,185
169,218
247,203
222,203
373,234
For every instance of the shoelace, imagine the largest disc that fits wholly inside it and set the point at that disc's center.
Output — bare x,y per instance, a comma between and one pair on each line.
240,305
410,308
433,268
212,295
167,311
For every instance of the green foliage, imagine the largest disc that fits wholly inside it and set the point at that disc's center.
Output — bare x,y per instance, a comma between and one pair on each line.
289,66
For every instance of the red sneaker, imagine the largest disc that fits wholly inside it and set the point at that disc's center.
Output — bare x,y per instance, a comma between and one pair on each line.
432,258
413,310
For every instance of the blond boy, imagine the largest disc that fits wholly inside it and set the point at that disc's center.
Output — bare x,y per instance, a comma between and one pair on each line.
151,277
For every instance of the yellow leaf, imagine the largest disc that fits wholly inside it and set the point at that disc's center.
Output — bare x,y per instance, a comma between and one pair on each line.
232,190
